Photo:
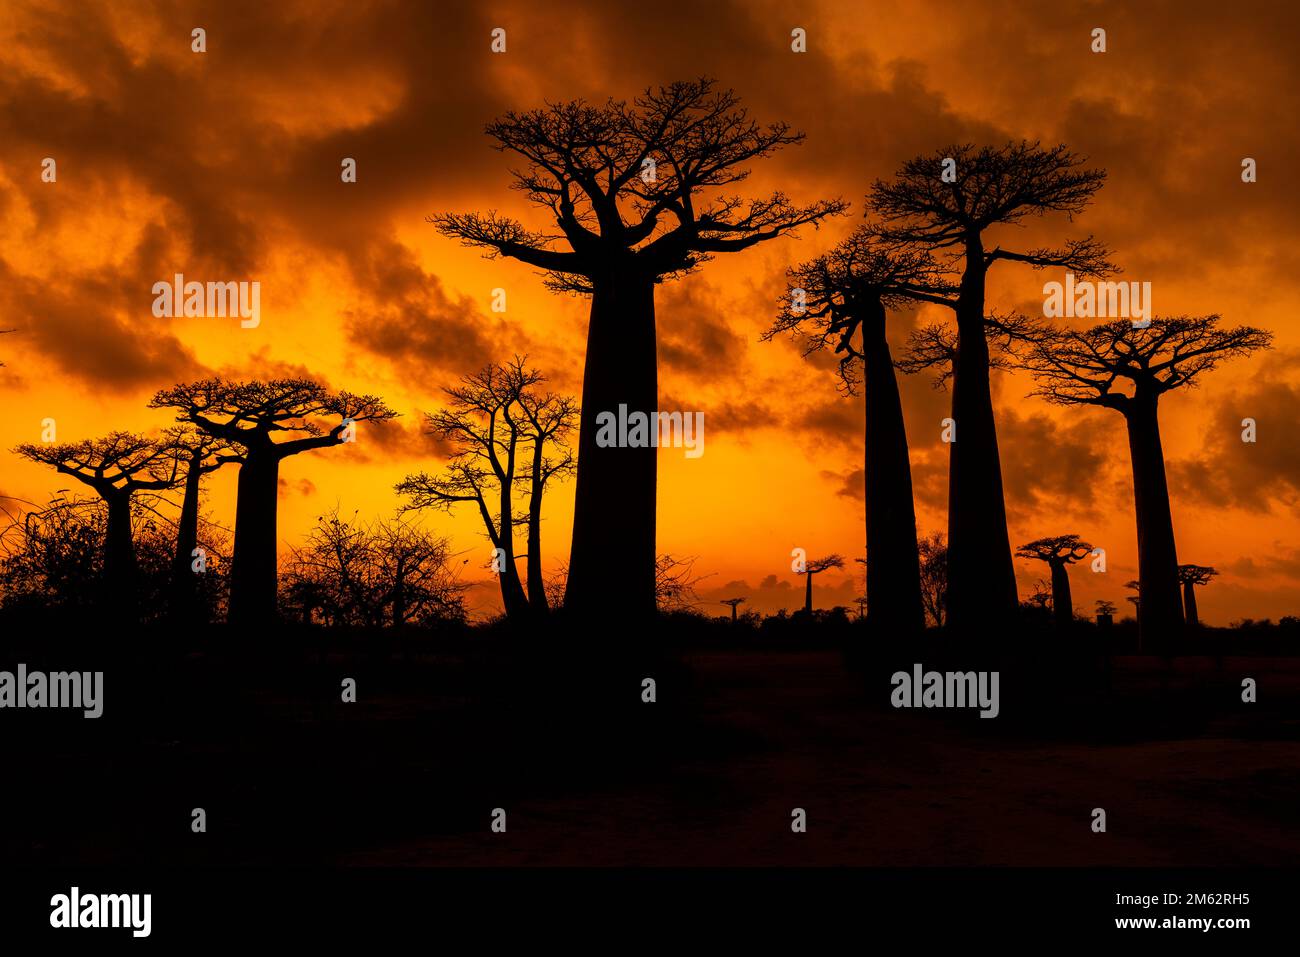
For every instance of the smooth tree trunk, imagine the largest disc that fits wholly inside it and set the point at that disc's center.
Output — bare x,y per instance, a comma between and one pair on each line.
1062,603
253,565
893,564
184,583
120,568
981,575
536,584
512,589
807,593
1189,604
612,560
1161,607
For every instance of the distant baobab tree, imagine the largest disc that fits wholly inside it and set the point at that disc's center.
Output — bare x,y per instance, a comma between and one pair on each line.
1105,609
1117,366
250,415
948,201
115,467
1189,576
635,191
197,454
813,567
505,433
832,299
733,602
1059,553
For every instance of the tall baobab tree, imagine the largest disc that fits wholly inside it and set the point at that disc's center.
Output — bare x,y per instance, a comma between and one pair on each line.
813,567
1117,366
947,201
1059,552
197,454
831,299
250,415
496,419
733,602
1189,576
116,467
637,192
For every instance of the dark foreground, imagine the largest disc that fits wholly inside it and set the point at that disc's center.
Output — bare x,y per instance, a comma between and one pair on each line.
252,729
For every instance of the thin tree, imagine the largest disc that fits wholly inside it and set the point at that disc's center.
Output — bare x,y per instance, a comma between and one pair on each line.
115,467
675,583
1059,552
934,577
1117,366
1190,576
814,567
948,201
733,602
251,415
198,454
495,419
637,193
831,300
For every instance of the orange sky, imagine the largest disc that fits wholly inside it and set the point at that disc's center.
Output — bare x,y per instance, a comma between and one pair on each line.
225,166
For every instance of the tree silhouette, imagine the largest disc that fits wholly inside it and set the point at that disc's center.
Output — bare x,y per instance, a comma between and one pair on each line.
1041,596
1189,576
812,568
495,419
831,299
991,186
198,454
1117,366
628,186
675,582
250,415
349,573
733,602
1104,607
1059,552
934,577
115,467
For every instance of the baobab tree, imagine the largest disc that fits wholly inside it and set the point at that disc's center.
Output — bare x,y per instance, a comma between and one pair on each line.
1059,552
197,454
496,419
1117,366
637,193
250,415
1105,609
831,300
947,201
1189,576
115,467
813,567
733,602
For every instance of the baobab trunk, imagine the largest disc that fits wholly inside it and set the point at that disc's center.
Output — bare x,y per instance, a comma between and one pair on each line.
893,565
536,585
119,553
981,576
1062,603
1161,609
612,561
807,593
1189,604
253,566
184,591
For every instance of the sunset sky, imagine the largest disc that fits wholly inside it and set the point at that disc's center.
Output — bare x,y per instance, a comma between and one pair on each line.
225,166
